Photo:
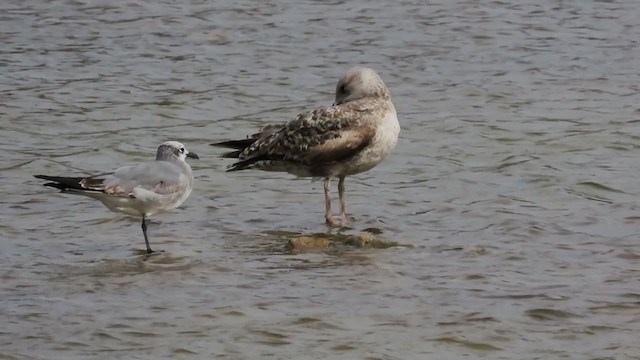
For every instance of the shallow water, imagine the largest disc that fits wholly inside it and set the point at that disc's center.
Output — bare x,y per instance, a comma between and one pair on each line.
514,179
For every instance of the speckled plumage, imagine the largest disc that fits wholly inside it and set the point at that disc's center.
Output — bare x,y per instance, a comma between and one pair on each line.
351,136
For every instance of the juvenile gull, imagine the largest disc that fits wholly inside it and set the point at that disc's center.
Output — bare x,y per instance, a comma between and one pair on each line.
142,190
353,135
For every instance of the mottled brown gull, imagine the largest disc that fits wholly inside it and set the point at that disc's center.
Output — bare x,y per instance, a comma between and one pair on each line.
352,136
141,190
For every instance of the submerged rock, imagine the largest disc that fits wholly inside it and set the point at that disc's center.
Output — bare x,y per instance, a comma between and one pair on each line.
305,243
369,240
324,241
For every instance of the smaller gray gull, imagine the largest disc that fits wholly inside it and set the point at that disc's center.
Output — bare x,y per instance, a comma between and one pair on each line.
352,136
143,190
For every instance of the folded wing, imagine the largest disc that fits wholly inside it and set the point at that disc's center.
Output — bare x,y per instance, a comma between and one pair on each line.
321,136
160,177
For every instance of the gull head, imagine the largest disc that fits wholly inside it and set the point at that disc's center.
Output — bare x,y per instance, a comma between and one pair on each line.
360,83
174,148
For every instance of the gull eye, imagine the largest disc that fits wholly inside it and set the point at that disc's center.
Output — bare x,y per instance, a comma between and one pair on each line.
182,150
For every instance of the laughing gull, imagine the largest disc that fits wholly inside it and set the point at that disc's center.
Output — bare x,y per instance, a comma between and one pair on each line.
142,190
352,136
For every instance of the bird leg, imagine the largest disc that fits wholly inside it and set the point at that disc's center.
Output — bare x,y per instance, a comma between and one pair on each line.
343,219
146,239
339,220
327,200
343,202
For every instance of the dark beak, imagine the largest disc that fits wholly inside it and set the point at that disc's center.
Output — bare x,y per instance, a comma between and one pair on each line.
193,155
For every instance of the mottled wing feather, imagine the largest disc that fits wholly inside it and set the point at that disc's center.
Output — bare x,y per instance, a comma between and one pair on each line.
322,135
347,144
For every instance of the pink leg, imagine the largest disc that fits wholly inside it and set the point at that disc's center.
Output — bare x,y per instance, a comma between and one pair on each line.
343,202
327,200
341,219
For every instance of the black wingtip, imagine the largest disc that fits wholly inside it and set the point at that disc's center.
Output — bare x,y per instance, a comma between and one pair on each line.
242,165
238,145
233,167
56,186
233,144
231,154
61,182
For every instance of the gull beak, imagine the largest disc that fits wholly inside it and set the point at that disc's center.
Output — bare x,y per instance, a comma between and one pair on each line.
192,155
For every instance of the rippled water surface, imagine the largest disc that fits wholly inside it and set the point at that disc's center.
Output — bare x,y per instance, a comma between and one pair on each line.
515,179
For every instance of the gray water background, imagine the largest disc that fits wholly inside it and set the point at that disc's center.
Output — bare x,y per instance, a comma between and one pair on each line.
515,178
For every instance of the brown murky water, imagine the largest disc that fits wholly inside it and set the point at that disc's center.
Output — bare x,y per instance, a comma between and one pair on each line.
515,179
